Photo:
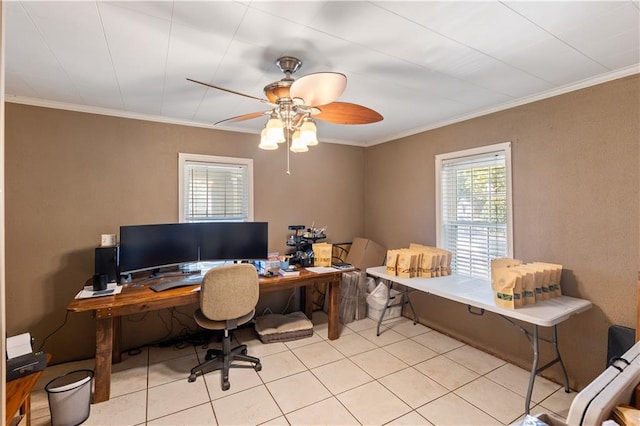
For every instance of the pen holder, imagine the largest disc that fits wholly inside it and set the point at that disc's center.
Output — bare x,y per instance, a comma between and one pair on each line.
284,264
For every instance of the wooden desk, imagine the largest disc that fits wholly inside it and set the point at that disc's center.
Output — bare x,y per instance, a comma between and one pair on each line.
108,311
19,394
477,293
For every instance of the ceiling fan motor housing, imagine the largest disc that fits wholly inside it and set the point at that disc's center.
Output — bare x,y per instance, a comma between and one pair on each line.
288,64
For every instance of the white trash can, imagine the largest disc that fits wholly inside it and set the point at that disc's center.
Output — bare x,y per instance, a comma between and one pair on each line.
70,398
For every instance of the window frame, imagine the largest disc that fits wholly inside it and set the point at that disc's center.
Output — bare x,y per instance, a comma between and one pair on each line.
487,150
184,158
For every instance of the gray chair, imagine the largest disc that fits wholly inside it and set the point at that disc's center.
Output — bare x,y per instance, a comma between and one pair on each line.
228,297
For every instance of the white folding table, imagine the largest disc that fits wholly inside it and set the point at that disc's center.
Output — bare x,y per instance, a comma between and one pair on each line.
477,293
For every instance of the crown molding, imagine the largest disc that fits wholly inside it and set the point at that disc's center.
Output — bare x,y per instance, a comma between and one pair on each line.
104,111
602,78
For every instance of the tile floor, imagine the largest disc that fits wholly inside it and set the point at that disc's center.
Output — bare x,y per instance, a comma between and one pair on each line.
409,375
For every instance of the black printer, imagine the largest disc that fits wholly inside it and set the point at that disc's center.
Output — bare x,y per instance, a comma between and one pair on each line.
25,364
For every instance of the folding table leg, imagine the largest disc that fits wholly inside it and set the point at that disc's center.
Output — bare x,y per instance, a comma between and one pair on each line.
559,358
534,369
408,300
386,306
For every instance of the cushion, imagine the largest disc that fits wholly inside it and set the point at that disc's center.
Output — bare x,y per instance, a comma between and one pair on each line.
283,328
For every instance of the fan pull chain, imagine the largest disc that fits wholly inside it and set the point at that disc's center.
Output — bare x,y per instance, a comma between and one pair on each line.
288,149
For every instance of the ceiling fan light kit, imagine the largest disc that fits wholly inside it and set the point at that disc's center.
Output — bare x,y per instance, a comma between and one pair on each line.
297,144
266,143
275,129
308,132
295,104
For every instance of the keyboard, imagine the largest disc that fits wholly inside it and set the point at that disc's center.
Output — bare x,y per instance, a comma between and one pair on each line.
175,283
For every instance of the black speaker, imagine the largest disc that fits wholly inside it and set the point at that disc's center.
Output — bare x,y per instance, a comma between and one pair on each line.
107,261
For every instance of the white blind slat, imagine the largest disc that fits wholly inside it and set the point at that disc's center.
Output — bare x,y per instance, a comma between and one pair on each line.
215,192
474,211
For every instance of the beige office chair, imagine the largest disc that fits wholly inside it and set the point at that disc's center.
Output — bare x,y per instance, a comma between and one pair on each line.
228,297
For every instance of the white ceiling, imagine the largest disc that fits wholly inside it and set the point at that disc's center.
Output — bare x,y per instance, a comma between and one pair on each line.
421,64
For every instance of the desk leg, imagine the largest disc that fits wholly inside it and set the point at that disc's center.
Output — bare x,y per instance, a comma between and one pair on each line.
334,309
26,409
306,295
116,354
104,350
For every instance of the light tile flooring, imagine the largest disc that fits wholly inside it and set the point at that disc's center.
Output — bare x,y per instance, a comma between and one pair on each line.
409,375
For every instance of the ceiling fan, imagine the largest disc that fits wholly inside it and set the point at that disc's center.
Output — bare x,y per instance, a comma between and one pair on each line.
295,104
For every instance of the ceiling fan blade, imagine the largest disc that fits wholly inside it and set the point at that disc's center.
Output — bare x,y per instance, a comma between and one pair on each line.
347,113
243,117
229,91
319,88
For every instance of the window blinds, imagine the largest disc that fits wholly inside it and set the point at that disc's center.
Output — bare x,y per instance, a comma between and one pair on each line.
475,211
215,192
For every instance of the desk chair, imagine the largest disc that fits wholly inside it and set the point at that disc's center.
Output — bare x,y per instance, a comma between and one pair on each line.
228,297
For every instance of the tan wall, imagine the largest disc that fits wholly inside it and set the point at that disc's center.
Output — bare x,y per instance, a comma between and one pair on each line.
3,323
575,201
73,176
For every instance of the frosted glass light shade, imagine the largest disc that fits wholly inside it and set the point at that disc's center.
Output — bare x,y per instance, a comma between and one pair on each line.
265,142
319,88
275,130
297,144
308,133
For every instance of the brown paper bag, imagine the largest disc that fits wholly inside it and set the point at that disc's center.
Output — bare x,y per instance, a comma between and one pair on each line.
546,280
528,284
447,262
538,274
404,263
503,262
392,262
520,280
555,289
504,284
428,264
322,254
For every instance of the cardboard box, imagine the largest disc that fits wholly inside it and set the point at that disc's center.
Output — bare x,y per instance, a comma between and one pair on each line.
365,253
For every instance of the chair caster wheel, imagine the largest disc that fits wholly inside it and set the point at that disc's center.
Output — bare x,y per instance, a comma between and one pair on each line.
243,352
226,386
258,367
208,357
192,378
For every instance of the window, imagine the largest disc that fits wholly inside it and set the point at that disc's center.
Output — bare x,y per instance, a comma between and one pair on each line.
214,188
473,199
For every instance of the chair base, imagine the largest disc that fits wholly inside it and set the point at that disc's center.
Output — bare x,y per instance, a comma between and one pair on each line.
215,359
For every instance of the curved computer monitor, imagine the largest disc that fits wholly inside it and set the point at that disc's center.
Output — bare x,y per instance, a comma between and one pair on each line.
144,247
233,241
